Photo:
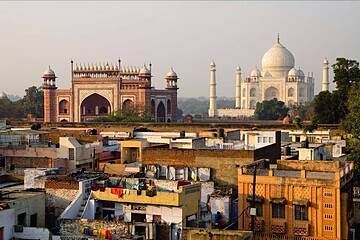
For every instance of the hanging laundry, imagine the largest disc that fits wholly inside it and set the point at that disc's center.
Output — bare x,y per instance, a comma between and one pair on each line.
117,191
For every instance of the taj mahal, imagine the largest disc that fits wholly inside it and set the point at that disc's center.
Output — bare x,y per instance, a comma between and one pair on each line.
278,78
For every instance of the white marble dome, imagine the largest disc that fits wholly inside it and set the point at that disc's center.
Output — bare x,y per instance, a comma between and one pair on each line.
293,73
301,73
255,73
278,56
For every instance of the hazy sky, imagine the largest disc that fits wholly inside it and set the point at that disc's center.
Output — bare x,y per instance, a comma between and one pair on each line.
184,35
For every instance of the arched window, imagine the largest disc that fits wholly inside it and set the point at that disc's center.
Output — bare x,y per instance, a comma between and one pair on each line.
152,108
103,110
271,93
94,105
301,92
252,92
291,92
64,107
127,105
252,104
168,106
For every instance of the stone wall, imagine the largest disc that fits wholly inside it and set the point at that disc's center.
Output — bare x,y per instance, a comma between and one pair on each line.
59,199
215,234
73,228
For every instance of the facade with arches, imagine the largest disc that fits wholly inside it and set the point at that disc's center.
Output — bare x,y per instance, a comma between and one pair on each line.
277,78
99,90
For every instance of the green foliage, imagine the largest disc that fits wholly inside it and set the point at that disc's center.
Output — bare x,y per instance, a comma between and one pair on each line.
326,108
304,111
31,103
130,115
271,110
200,105
352,120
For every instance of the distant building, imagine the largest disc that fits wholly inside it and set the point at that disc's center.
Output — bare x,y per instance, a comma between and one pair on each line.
278,78
98,90
299,199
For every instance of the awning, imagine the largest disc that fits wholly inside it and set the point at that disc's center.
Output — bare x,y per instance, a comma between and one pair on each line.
301,202
278,200
259,199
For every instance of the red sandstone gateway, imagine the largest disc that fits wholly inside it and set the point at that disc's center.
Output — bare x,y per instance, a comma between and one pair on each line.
99,90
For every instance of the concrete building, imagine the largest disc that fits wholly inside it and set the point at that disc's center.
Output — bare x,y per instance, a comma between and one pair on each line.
98,90
299,199
152,207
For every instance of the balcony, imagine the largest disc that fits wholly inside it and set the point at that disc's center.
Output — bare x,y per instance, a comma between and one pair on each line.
278,226
301,228
259,225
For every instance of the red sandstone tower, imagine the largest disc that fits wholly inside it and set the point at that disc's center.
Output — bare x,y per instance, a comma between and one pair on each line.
49,88
171,85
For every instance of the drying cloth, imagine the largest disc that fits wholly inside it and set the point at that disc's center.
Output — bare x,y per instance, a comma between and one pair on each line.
117,191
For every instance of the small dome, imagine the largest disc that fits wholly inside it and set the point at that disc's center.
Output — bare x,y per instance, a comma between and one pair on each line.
293,73
144,70
212,64
301,73
171,73
255,73
238,69
49,72
326,61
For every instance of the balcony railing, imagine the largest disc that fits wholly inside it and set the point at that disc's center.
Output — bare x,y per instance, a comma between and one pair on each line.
278,226
301,228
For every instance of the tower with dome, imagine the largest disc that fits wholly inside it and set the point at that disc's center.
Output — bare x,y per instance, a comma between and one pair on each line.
101,89
278,78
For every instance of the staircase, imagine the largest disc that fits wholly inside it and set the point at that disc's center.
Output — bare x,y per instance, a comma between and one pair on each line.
82,207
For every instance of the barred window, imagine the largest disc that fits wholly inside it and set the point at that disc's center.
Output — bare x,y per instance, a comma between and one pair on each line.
278,210
71,154
301,212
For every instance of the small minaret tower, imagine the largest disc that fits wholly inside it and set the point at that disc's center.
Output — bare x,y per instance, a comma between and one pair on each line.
212,104
237,87
171,80
49,88
325,80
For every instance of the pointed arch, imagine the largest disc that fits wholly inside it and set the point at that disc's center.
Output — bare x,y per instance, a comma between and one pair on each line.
160,112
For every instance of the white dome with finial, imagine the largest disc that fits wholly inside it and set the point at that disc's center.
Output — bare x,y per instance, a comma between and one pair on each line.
212,64
278,56
255,73
171,73
293,73
301,73
49,72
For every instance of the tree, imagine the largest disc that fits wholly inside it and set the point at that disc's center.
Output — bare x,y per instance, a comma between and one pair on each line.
33,102
304,111
326,108
271,110
352,121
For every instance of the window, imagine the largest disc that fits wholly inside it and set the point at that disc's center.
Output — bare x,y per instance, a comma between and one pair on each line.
271,139
328,216
301,212
264,139
328,194
259,139
21,219
290,92
33,220
259,209
71,154
278,210
328,228
328,205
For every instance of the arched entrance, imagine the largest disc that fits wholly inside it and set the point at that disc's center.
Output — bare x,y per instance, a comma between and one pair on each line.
127,105
160,113
64,107
152,109
93,106
271,93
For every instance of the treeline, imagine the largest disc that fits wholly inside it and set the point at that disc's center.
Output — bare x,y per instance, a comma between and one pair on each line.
31,103
200,105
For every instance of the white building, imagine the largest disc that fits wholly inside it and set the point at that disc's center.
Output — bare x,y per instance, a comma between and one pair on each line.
278,78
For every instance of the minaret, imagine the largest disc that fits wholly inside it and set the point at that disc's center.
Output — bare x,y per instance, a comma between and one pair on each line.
49,89
237,87
212,105
325,81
